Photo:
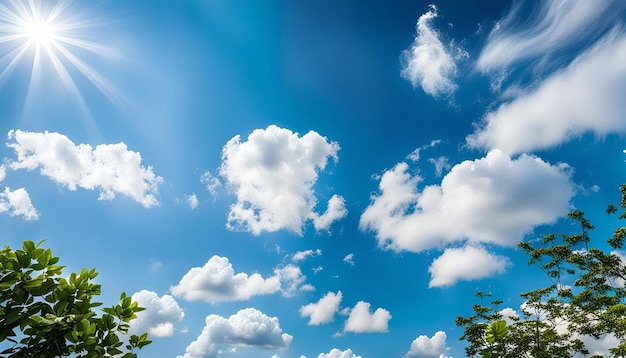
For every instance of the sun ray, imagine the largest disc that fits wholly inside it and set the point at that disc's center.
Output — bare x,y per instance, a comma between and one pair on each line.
43,31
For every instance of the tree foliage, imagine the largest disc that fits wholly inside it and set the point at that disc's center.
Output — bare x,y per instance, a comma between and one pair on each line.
586,298
45,315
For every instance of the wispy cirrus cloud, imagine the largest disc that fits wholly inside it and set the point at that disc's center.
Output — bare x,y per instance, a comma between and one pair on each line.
110,168
552,27
273,174
586,97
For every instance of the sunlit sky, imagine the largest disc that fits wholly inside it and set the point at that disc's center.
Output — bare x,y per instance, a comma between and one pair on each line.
308,178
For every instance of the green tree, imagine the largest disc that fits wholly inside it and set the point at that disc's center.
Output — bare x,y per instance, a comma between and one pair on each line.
586,298
45,315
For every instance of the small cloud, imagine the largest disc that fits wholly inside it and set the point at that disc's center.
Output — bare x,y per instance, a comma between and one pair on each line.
17,202
212,183
428,63
302,255
247,328
323,311
467,263
425,347
155,265
415,155
192,201
3,172
336,353
317,269
349,259
361,320
595,188
159,317
441,163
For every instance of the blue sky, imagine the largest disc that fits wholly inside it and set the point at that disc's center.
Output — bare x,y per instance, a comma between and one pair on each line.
319,179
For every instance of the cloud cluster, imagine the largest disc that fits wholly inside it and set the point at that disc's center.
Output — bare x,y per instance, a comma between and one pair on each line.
248,327
496,199
111,168
336,353
324,310
554,26
425,347
160,315
428,63
587,96
216,281
273,174
362,320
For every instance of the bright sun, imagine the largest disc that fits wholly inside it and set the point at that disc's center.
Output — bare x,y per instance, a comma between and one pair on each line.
40,33
39,30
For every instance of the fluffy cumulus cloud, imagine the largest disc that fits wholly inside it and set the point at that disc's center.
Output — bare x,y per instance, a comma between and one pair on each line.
425,347
110,168
362,320
467,263
428,63
160,316
216,281
496,199
324,310
336,353
17,202
248,327
586,97
273,174
554,26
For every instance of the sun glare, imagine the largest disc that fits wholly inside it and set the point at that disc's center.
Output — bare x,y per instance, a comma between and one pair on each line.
40,32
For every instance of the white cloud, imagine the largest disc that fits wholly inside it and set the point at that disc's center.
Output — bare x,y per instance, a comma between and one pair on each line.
349,259
291,280
212,183
587,96
425,347
336,210
336,353
324,310
3,172
249,327
507,314
159,317
428,63
494,199
467,263
216,281
273,174
554,26
192,201
441,164
415,155
17,202
111,168
361,320
301,255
